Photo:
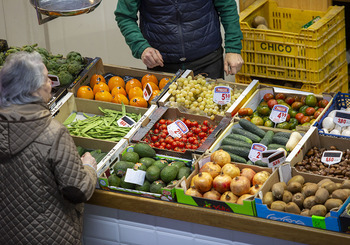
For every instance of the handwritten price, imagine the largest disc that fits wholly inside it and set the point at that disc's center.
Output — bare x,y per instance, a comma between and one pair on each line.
225,96
282,115
329,159
341,120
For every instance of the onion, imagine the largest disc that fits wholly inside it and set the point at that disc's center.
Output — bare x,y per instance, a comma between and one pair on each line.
203,182
240,185
231,169
222,182
260,177
220,157
212,168
228,196
212,194
193,192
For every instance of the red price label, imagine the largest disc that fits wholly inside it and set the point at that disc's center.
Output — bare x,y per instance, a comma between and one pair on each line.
177,129
279,113
222,95
342,118
331,157
256,151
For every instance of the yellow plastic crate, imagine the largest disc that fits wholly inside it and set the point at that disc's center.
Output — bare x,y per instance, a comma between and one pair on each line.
286,51
337,81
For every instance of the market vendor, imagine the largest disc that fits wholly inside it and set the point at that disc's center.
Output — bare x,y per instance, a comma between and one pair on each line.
183,35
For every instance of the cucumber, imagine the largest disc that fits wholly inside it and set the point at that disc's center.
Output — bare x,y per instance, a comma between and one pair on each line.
280,140
230,141
283,134
275,146
237,150
249,162
81,150
255,138
240,138
267,138
260,163
235,158
251,127
100,157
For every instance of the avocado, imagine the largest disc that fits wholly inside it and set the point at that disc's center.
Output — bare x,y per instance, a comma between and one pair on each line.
126,185
160,164
183,171
120,167
152,173
145,187
114,180
144,150
169,173
156,186
147,161
130,156
140,166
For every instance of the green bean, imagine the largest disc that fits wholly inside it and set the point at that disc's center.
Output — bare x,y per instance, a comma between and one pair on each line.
70,119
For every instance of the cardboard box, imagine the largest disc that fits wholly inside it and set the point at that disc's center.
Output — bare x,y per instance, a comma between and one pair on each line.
254,101
248,207
72,104
168,192
345,220
175,113
328,223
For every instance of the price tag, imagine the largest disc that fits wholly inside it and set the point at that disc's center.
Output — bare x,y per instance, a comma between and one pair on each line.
177,129
147,92
331,157
55,81
256,151
276,159
266,154
222,95
126,121
279,113
342,118
135,176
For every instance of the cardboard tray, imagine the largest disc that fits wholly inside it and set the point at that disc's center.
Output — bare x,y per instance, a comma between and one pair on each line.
330,223
248,207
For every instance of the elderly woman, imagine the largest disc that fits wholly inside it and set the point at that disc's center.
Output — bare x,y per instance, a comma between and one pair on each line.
43,180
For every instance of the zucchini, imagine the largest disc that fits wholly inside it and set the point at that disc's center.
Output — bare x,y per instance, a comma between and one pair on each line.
240,138
283,134
275,146
280,140
235,158
230,141
255,138
251,127
267,139
237,150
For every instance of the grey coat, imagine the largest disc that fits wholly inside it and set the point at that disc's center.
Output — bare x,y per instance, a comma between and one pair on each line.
43,182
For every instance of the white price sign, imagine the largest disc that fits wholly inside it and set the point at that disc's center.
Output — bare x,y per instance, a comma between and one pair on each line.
177,129
222,95
256,151
342,118
147,92
279,113
276,159
125,121
135,176
331,157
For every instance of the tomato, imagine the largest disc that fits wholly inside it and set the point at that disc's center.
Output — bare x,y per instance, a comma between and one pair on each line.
323,103
146,140
157,144
169,122
197,130
163,126
157,125
184,140
161,147
250,111
190,134
194,147
188,123
163,144
188,146
177,149
191,140
161,140
168,146
163,135
154,138
205,122
162,121
194,124
181,144
280,96
205,129
268,96
202,135
243,112
195,142
165,131
310,111
299,116
156,131
211,130
305,119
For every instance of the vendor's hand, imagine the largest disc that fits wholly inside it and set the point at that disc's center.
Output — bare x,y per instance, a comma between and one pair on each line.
152,58
88,159
233,63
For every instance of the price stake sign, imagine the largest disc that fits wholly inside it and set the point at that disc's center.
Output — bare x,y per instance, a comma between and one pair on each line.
125,121
177,129
342,118
135,176
276,159
147,92
279,113
256,151
331,157
55,81
222,95
266,154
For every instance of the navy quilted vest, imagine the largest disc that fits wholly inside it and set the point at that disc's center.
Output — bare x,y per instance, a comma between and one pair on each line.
182,30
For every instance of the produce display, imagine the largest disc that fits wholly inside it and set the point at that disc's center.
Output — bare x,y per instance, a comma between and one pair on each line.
117,89
307,198
196,95
160,172
219,179
302,110
239,142
330,127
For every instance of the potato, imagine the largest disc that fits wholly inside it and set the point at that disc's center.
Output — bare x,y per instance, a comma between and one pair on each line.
310,189
340,194
294,187
291,207
320,183
287,196
278,189
345,184
262,27
305,212
297,178
309,202
339,185
298,199
333,203
330,186
258,20
321,195
319,210
278,206
268,199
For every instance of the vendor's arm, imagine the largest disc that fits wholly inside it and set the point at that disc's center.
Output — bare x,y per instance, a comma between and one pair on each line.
229,17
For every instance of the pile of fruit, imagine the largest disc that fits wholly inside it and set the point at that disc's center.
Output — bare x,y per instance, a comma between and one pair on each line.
159,172
219,179
302,110
159,136
119,90
196,95
307,198
330,127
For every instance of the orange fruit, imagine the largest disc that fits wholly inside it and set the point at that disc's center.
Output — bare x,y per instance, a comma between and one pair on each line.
149,78
95,79
153,86
85,92
116,81
135,92
163,82
118,90
103,96
119,98
139,101
154,94
132,83
100,86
